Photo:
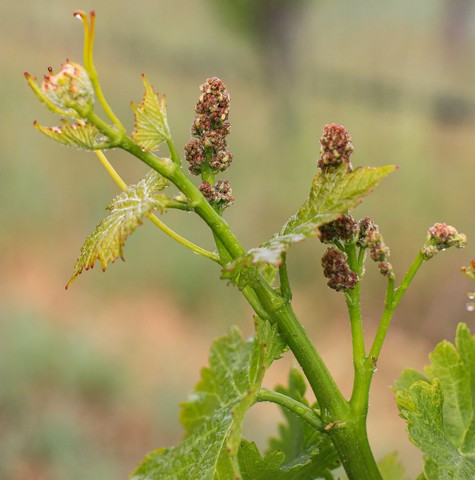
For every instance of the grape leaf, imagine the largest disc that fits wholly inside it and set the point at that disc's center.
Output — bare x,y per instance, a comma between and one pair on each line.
213,415
126,212
81,135
309,453
255,467
151,125
440,409
333,193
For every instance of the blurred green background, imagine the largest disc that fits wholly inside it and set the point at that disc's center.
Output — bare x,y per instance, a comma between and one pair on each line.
91,378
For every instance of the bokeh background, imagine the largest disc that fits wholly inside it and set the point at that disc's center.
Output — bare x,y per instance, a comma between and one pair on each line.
91,378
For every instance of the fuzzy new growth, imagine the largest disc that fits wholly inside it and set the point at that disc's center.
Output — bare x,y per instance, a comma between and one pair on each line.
210,128
71,88
336,147
336,269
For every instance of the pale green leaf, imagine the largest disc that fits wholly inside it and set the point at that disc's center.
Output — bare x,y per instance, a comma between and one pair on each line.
333,193
215,410
151,125
440,410
126,212
81,135
391,468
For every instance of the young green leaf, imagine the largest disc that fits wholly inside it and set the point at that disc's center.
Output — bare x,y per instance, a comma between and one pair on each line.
81,135
255,467
151,126
126,212
214,413
440,409
333,193
309,453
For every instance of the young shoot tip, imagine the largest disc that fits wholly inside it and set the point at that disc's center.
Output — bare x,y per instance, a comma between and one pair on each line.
81,15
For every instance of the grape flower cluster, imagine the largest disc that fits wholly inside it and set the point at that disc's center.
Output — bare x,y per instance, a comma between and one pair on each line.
206,152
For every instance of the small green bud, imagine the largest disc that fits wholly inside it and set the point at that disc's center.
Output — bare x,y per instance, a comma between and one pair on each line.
71,88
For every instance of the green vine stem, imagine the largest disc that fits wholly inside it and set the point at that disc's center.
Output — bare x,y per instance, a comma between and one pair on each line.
349,434
89,33
393,297
346,428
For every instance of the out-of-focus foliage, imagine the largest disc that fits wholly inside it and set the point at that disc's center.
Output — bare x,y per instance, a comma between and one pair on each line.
53,389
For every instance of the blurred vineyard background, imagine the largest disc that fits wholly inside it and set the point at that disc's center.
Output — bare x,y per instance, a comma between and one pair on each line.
90,379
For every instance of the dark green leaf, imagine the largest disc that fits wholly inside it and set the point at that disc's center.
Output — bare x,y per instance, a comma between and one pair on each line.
214,413
126,212
440,410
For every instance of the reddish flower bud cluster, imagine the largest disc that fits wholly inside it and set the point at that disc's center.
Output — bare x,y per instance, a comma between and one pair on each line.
210,128
370,237
335,148
336,269
344,228
220,194
442,236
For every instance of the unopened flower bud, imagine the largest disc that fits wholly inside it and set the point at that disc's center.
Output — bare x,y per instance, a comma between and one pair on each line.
344,229
220,194
369,237
386,269
336,269
336,147
379,251
366,228
221,161
429,251
194,156
440,237
71,88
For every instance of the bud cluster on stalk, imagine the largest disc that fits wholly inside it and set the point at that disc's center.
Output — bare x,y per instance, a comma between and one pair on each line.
440,237
206,152
342,232
336,147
